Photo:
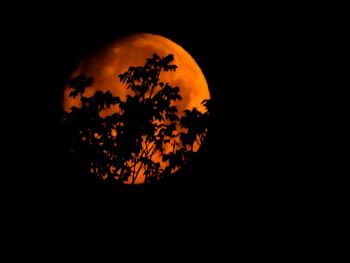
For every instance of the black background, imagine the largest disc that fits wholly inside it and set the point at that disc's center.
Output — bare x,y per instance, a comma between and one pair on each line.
248,56
251,168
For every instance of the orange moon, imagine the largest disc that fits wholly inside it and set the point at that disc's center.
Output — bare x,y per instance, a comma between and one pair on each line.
115,58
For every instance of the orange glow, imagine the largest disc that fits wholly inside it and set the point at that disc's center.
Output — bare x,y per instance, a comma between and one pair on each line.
105,66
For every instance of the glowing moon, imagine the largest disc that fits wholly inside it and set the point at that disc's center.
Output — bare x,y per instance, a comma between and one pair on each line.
105,66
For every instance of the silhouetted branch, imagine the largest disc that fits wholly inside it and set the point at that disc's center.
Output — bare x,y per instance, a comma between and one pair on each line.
120,145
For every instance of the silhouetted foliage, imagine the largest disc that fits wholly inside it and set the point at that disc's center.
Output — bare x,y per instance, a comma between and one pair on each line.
145,134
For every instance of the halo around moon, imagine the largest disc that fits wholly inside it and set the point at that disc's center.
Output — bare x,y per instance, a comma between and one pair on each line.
115,58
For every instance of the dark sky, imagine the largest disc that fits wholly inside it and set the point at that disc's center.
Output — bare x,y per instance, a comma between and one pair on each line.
249,185
249,58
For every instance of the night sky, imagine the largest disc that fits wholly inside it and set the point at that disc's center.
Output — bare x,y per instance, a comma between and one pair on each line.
253,189
249,59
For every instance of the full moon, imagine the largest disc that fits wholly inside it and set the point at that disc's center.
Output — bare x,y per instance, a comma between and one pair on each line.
115,58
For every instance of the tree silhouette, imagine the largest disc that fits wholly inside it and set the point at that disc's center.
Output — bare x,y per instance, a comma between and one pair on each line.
145,136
